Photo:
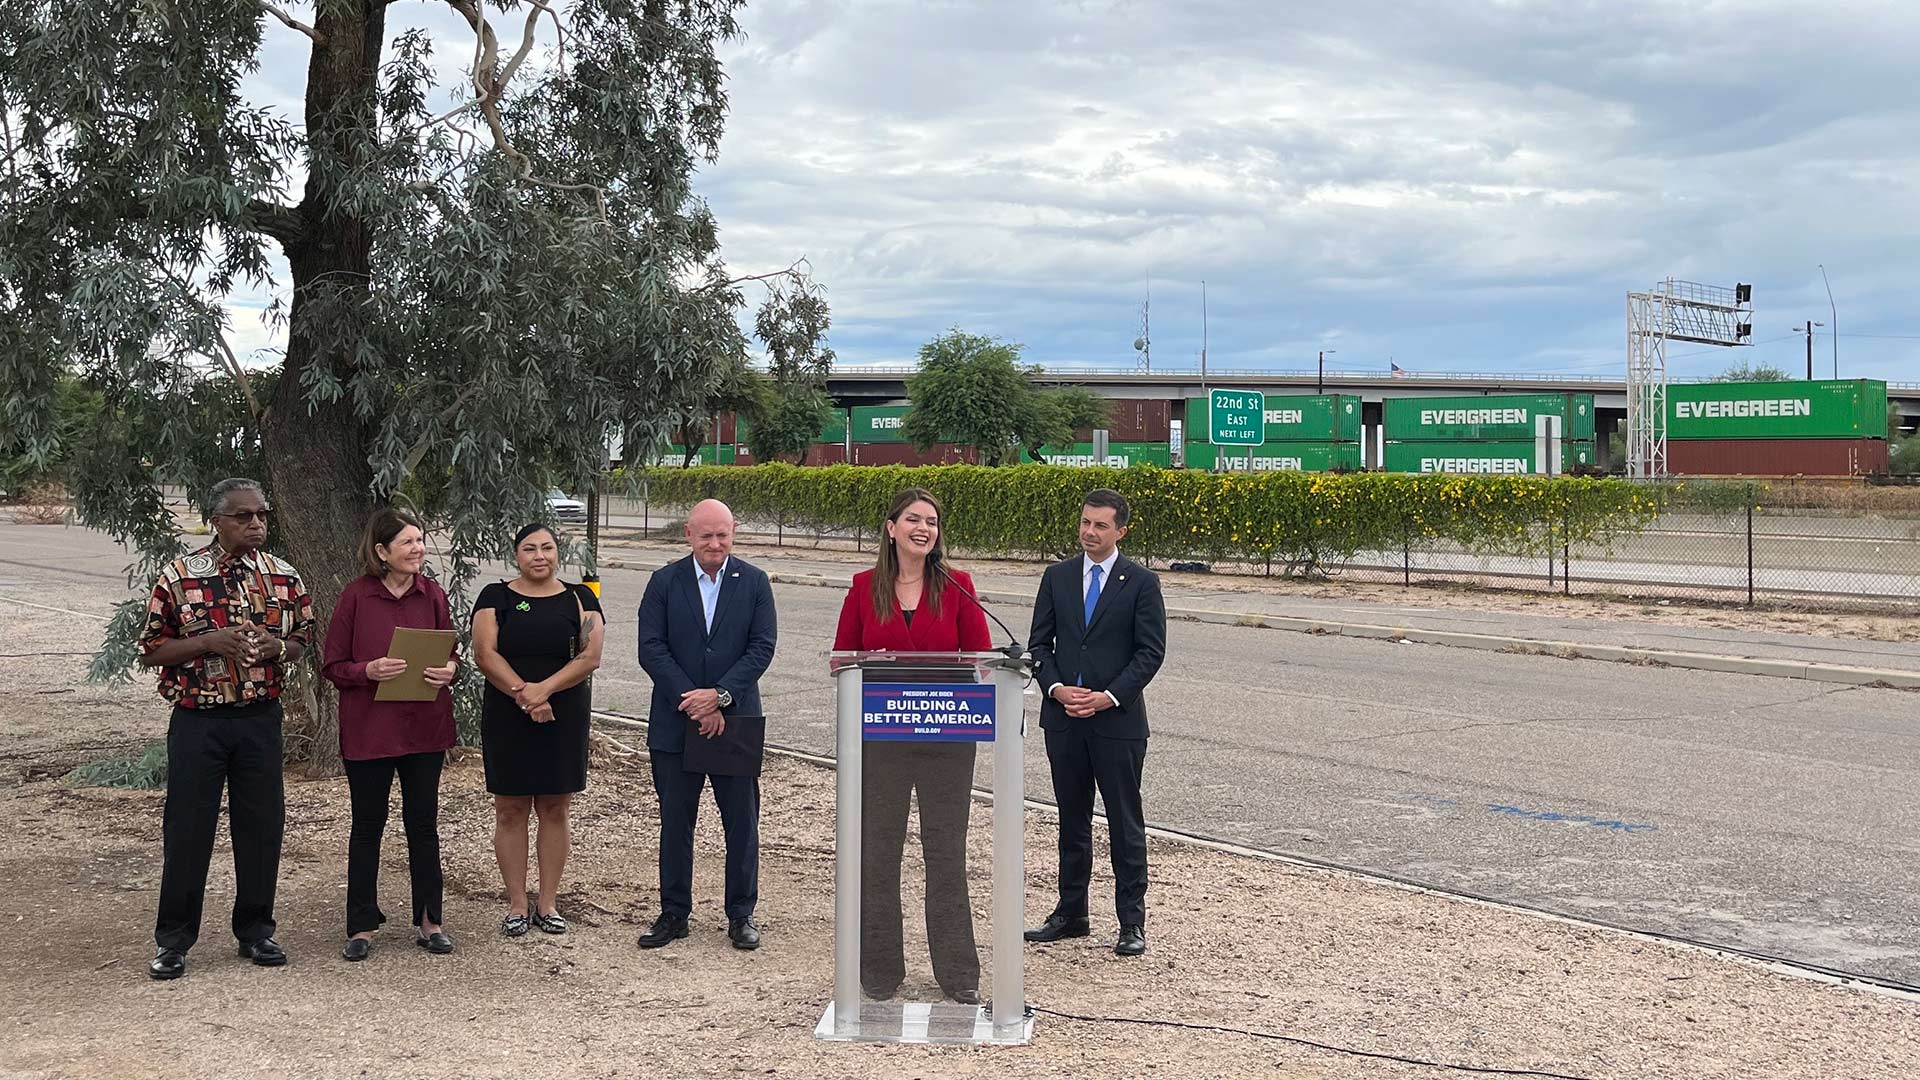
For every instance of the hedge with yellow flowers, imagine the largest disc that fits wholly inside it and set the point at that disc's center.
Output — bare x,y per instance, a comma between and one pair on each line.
1299,520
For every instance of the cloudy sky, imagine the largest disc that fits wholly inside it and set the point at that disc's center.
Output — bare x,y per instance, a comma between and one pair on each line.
1464,186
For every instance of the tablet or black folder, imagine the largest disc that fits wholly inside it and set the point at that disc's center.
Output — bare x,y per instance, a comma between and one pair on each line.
736,751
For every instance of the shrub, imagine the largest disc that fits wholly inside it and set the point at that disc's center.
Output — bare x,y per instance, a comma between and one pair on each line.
1301,520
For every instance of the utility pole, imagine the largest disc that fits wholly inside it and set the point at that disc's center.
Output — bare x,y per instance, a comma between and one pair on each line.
1203,338
1320,385
1809,329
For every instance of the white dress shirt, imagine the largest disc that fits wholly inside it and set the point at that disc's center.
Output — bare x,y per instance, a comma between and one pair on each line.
1086,586
709,588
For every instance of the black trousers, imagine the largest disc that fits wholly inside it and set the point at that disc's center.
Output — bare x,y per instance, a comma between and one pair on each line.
206,754
739,800
371,784
942,774
1082,762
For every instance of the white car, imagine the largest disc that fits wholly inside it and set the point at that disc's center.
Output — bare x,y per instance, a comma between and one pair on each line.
565,510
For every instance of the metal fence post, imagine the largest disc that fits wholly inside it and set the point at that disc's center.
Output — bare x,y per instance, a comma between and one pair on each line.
1406,552
1749,547
1566,552
1548,522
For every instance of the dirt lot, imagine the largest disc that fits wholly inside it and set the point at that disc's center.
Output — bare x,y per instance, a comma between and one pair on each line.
1236,943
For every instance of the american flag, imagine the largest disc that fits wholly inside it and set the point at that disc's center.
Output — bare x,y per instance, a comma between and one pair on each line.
1396,371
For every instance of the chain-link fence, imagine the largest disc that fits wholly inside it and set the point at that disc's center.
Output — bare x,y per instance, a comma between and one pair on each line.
1761,544
1752,553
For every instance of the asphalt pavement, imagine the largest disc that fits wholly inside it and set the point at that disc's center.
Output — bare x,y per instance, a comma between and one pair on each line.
1773,815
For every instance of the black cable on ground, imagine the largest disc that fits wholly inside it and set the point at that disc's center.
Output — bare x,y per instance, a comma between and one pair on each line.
1481,1070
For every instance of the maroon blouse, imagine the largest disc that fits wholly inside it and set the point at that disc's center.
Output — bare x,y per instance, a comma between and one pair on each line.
361,631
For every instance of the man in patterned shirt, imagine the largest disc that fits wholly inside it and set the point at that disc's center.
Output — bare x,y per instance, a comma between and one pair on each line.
223,623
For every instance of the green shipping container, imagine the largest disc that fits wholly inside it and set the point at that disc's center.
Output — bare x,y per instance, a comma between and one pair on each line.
1295,418
878,423
1501,416
1121,455
1820,409
1514,457
1276,457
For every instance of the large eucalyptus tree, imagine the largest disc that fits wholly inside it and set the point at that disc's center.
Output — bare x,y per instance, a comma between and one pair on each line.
488,277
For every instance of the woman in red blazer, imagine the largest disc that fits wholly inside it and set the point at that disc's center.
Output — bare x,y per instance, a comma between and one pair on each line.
910,602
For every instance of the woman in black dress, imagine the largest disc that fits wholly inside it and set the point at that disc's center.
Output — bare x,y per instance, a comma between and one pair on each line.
536,639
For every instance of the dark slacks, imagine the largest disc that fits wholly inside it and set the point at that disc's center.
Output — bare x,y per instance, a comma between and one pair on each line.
371,785
738,798
1081,763
206,754
942,774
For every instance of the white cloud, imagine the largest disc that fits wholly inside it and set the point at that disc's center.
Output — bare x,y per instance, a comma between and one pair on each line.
1471,185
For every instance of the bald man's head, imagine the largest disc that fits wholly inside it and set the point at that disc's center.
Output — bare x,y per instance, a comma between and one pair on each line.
710,534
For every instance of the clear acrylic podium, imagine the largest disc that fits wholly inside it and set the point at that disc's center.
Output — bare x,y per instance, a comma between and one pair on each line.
900,713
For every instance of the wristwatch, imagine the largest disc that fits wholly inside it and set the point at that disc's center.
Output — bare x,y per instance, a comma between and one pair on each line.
726,699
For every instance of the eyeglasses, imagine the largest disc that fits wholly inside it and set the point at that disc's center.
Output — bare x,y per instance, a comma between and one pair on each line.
248,515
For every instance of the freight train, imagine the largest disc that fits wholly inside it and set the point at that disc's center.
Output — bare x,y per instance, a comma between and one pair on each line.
1823,427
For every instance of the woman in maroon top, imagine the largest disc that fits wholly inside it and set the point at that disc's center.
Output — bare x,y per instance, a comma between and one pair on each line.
382,739
910,602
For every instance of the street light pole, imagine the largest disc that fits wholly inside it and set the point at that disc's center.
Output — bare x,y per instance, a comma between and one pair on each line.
1809,329
1320,386
1834,312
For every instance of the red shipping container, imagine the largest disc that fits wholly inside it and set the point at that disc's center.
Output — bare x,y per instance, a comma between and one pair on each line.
1135,421
1776,457
826,454
729,431
907,454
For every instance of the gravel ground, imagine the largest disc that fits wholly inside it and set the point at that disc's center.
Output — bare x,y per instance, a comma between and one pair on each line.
1236,943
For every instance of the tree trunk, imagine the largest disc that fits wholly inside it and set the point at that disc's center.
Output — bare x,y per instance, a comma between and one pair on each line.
317,453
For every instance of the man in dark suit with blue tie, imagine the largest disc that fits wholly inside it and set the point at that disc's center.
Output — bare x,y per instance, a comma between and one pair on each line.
706,636
1099,634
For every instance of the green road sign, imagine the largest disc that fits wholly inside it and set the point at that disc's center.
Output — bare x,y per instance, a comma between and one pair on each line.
1238,417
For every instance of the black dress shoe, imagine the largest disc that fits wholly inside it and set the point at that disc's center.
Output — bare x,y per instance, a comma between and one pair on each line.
437,943
1133,940
665,929
1060,926
968,996
356,949
167,964
744,934
264,953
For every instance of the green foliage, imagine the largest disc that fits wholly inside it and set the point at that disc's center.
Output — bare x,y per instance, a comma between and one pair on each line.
1745,372
148,771
732,386
76,413
973,390
1905,459
791,422
970,389
479,297
1302,520
1050,417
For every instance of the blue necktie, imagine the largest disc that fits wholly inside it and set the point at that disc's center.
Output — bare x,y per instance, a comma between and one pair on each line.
1093,594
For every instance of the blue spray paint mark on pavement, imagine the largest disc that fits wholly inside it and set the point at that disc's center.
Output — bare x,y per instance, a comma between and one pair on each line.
1574,819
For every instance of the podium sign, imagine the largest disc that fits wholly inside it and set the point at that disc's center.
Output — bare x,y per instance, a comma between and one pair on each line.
927,712
908,728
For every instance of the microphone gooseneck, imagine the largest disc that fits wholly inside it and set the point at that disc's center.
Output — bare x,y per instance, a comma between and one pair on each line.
1013,649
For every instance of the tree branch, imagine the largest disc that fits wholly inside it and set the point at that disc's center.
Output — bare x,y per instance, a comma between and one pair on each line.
768,276
240,376
490,88
283,223
419,449
280,13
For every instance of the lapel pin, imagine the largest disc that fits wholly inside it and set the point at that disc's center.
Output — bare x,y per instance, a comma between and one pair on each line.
736,573
1122,577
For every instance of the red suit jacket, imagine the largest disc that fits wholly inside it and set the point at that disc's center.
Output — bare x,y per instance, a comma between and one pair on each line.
961,625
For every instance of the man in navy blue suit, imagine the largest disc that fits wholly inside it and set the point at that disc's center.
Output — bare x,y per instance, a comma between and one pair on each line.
1099,634
706,636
